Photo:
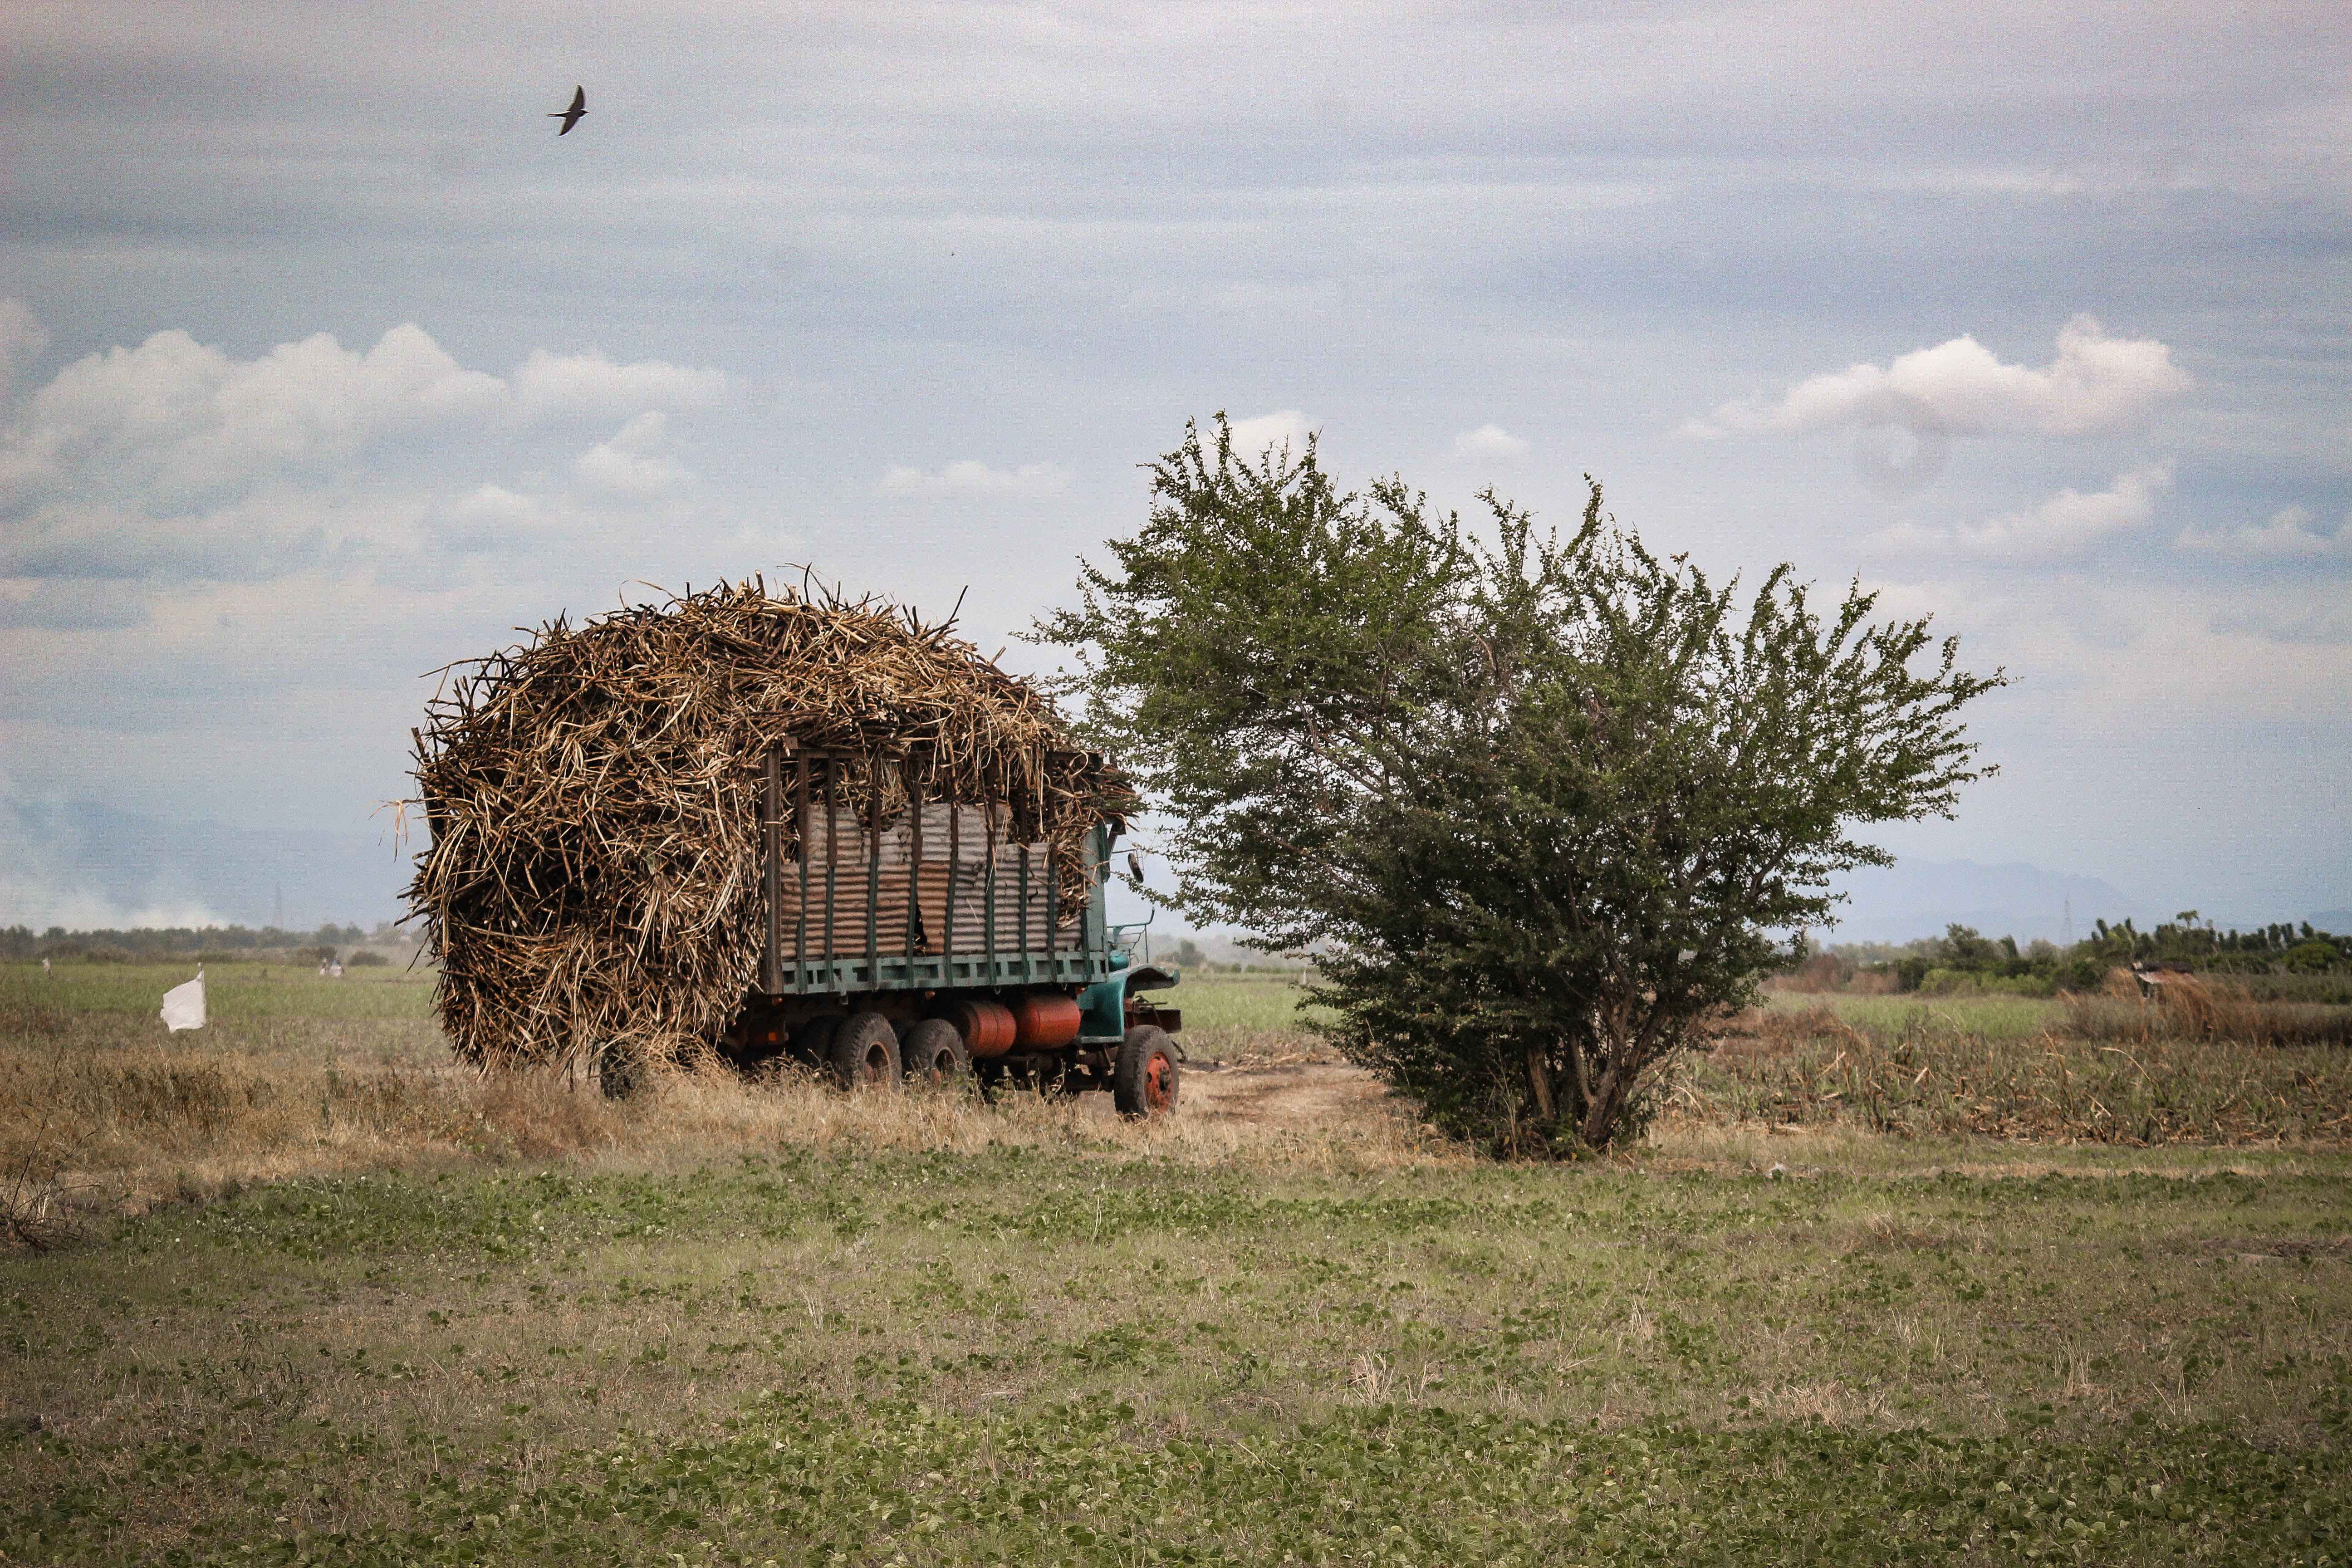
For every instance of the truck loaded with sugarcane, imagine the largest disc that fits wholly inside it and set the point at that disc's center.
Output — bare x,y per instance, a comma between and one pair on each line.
752,828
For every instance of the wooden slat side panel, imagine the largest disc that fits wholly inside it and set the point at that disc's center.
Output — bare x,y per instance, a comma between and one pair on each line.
970,926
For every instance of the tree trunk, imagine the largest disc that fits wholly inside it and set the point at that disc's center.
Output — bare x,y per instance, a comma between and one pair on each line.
1539,1078
1603,1104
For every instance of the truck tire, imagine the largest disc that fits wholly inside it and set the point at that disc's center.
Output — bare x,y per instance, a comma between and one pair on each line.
865,1052
934,1054
1143,1083
620,1073
811,1045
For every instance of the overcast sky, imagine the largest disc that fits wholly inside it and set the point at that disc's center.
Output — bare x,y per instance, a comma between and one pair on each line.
327,361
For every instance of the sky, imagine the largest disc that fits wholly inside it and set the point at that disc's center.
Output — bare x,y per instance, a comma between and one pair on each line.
325,361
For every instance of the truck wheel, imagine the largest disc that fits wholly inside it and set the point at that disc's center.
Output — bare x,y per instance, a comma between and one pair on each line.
1144,1081
620,1072
865,1052
811,1045
934,1054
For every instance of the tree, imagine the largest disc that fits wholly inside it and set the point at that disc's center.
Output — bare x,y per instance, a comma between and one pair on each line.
1542,805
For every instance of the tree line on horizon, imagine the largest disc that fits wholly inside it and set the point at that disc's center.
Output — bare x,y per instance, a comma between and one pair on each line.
20,941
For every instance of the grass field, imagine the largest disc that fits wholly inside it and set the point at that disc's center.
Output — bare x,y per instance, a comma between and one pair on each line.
332,1302
1232,1015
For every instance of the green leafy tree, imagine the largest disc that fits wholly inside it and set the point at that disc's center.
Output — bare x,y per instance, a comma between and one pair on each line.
1539,805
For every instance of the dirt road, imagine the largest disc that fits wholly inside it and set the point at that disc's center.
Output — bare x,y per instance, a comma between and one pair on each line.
1300,1095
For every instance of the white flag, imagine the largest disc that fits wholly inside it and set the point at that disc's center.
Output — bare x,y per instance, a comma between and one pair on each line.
184,1005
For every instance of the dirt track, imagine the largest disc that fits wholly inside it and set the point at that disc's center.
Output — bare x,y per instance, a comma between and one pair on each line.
1288,1094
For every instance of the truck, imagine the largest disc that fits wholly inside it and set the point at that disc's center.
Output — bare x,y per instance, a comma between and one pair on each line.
929,946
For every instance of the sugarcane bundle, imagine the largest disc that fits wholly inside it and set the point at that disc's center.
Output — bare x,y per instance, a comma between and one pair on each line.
592,795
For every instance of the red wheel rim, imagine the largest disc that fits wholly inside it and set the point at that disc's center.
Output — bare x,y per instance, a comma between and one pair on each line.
877,1066
1160,1083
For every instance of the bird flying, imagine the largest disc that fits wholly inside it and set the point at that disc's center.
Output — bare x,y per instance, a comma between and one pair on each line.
571,117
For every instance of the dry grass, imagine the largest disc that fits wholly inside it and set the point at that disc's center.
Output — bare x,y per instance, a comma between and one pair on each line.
2119,1071
2185,1007
99,1116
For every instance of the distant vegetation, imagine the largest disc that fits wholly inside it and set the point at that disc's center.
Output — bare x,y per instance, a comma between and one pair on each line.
2295,962
215,944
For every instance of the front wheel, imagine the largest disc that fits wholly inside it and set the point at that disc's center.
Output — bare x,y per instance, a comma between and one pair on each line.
865,1052
1144,1081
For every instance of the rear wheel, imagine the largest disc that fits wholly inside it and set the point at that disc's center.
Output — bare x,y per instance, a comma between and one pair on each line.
811,1043
865,1052
1144,1081
934,1054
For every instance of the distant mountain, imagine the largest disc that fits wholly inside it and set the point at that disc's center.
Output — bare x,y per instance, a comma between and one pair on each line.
1919,898
90,867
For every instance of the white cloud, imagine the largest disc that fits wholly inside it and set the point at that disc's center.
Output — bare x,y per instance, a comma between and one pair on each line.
973,479
175,460
21,341
2288,535
2067,526
633,460
2097,385
175,419
588,386
1284,427
491,520
1488,442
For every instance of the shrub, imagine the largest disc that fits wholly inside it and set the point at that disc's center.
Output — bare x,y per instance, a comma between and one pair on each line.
105,952
366,959
1541,805
2315,957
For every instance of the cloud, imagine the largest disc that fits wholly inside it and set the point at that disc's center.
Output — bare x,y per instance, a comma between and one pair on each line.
178,421
177,460
1284,427
633,460
2324,627
21,341
492,520
973,479
550,386
2067,526
2288,535
1488,442
2097,385
68,604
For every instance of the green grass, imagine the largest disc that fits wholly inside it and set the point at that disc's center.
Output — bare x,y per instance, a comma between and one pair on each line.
1993,1017
233,993
818,1353
996,1358
1226,1015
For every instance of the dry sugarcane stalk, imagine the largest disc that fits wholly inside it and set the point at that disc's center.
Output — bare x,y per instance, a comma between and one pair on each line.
591,795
